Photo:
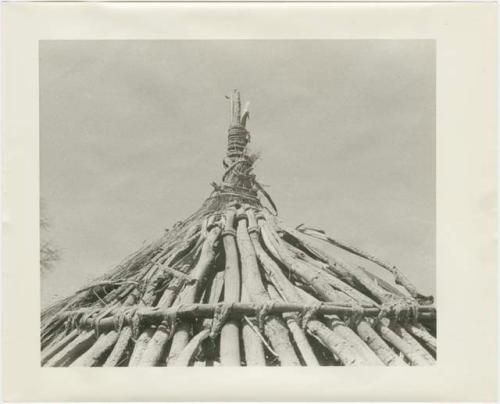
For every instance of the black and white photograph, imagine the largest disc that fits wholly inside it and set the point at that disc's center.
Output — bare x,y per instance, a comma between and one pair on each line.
249,201
237,203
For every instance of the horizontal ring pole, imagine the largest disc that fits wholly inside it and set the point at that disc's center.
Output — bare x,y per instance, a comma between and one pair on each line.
239,310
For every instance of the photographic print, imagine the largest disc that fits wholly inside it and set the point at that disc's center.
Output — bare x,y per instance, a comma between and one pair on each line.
237,203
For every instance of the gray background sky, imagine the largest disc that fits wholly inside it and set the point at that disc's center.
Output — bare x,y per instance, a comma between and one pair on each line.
133,132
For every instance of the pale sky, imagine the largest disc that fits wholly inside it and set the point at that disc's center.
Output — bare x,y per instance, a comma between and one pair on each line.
133,132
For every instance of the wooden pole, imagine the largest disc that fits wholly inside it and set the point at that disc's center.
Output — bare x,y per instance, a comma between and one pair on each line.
274,327
354,350
192,291
190,349
421,333
298,333
238,310
58,346
313,278
378,345
235,108
413,355
400,278
140,346
157,343
103,344
230,332
254,351
120,347
332,280
413,343
75,348
124,336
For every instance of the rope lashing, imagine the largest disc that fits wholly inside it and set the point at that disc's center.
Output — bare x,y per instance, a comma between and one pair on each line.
263,314
67,325
308,313
233,187
237,140
260,216
85,318
228,232
253,229
98,318
241,215
136,325
169,323
246,197
77,320
89,318
397,308
118,322
231,168
96,326
409,313
240,309
259,334
125,316
221,314
357,315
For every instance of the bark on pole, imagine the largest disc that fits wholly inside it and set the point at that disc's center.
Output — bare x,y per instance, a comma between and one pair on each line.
230,333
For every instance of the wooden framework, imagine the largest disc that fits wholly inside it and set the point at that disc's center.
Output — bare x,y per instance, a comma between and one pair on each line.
234,286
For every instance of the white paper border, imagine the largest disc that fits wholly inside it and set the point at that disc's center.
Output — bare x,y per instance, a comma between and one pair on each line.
466,202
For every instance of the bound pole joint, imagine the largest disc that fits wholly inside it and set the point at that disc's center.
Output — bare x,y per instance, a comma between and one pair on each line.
221,314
